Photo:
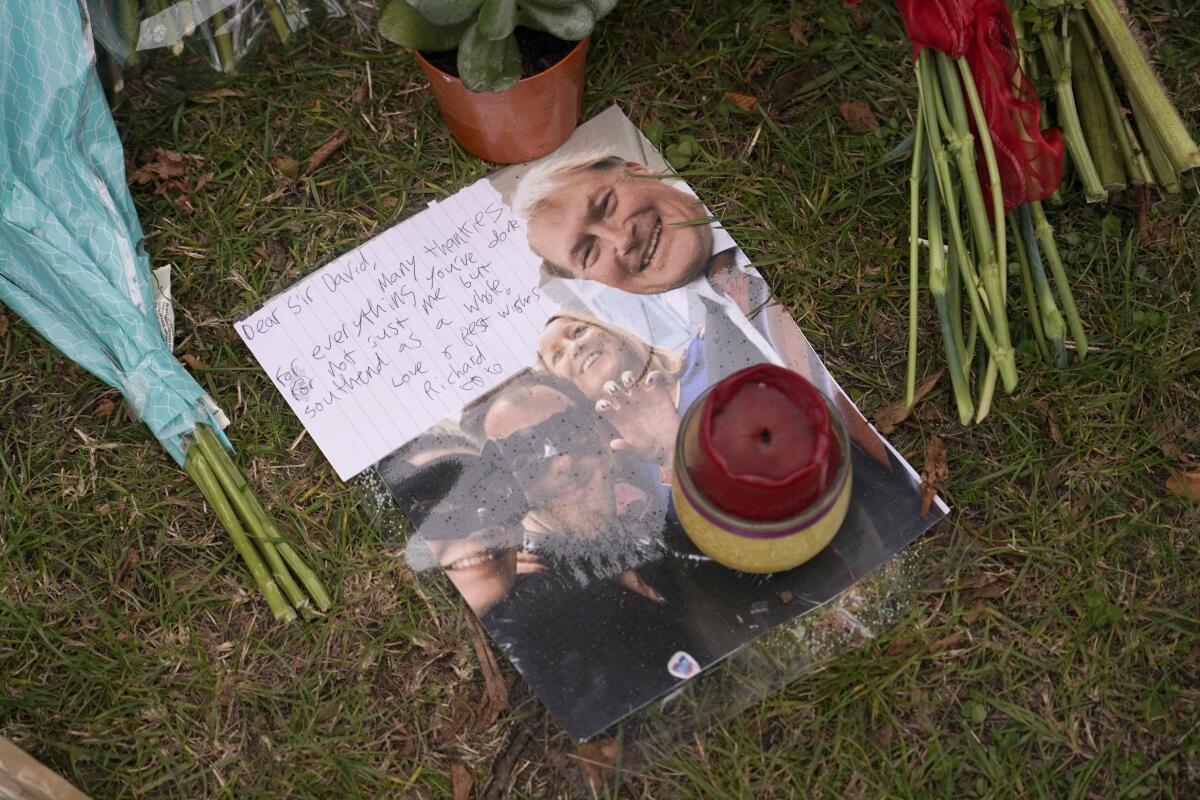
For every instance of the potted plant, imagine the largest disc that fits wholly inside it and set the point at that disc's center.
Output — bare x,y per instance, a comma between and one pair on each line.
507,74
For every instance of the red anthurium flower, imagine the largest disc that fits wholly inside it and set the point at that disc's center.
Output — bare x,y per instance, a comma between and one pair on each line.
943,25
1030,160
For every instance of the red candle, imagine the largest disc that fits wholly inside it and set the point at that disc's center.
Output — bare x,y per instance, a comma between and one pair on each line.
767,446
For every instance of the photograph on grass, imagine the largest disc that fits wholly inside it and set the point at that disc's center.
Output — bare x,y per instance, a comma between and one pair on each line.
547,500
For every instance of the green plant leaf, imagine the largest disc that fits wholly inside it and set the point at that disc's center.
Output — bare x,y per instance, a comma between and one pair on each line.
401,23
556,3
497,18
600,8
570,23
485,65
681,154
446,12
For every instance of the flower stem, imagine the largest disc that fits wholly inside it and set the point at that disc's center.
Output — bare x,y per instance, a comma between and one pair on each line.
1143,85
224,43
197,466
986,249
937,286
1160,161
928,90
1027,288
278,20
914,265
1098,131
213,455
1068,119
1046,308
275,548
130,29
989,158
1131,149
1045,236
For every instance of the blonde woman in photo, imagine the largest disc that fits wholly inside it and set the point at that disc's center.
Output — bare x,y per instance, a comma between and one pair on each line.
640,389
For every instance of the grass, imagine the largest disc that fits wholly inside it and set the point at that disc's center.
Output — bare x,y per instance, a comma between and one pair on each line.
1060,661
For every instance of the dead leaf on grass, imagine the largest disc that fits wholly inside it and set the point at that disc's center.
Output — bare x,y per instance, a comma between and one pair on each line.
1185,485
462,781
799,29
331,146
223,93
743,102
858,116
947,642
790,83
495,689
891,415
598,760
287,166
105,408
448,727
3,323
989,591
758,66
192,361
124,576
165,165
935,472
860,18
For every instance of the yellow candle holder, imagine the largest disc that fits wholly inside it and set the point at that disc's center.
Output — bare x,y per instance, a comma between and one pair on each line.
755,545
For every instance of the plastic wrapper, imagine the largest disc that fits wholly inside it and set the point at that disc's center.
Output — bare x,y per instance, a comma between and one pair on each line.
222,32
556,523
597,300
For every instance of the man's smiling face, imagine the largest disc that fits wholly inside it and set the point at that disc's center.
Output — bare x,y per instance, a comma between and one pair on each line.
624,228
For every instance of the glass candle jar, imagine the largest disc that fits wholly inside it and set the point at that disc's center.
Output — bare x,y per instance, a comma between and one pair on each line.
761,478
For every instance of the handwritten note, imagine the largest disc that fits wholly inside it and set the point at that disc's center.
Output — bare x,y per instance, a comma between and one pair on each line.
400,333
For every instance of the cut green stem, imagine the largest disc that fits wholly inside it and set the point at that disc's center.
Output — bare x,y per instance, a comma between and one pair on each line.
928,91
1046,308
268,532
1132,154
914,253
278,21
986,249
224,41
197,466
1160,161
1098,131
1143,85
1068,118
1045,237
1027,287
937,287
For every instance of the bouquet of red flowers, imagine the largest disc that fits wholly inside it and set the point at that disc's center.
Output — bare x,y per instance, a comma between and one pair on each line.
982,156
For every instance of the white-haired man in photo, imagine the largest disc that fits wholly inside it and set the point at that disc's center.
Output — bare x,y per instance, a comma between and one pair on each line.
600,217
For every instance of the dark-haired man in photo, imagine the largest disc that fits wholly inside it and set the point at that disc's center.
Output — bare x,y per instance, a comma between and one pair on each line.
465,510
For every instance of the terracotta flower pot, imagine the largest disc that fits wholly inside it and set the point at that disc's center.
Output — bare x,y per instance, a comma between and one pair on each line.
524,122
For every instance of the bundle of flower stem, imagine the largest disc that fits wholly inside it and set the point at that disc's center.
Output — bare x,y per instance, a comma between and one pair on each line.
1120,126
985,167
221,32
286,582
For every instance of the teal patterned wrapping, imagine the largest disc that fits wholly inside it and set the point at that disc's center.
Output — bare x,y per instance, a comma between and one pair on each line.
71,260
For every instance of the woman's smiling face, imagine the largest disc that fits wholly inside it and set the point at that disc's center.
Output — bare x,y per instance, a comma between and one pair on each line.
586,354
624,228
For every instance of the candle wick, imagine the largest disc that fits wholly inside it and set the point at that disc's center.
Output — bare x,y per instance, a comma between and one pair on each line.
765,436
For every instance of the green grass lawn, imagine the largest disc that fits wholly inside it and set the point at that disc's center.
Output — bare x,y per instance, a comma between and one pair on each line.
1062,660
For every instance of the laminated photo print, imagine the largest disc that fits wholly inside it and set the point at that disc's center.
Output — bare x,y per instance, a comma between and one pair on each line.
546,501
